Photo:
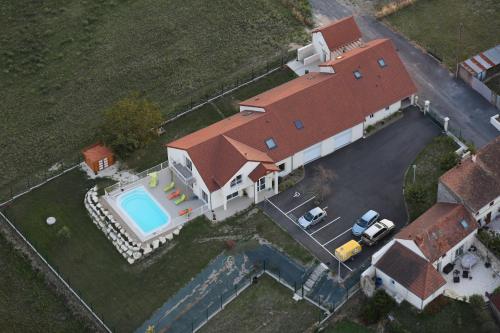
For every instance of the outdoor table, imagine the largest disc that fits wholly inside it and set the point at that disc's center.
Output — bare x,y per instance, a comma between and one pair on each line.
469,260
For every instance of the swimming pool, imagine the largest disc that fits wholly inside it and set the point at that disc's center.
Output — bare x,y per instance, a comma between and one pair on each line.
143,210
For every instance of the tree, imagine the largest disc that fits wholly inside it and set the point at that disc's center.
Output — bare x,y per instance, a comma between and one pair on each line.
130,124
322,182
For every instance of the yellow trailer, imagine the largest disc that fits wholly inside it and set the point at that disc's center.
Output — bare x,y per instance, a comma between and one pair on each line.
346,251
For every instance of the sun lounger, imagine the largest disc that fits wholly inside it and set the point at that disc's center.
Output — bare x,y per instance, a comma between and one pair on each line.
174,194
181,199
185,211
169,187
153,182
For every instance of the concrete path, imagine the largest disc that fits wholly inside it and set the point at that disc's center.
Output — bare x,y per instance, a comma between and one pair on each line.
469,112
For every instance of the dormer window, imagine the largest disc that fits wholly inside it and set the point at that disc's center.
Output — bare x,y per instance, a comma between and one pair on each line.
271,144
381,62
357,75
298,124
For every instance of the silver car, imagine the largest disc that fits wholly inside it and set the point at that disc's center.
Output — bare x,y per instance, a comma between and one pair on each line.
312,217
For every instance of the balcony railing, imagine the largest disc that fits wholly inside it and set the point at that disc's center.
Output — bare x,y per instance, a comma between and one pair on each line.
183,172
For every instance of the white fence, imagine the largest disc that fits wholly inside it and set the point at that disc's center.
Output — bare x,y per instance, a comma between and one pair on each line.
85,305
124,184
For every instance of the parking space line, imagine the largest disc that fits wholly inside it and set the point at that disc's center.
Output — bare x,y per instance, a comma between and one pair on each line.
314,239
302,204
326,225
342,234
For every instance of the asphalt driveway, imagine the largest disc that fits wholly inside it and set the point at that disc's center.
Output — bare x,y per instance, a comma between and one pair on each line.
370,175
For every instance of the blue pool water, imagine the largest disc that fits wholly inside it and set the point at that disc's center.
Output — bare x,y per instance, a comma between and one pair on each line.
143,210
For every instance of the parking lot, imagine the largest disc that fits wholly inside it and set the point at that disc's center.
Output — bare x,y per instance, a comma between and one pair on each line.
369,175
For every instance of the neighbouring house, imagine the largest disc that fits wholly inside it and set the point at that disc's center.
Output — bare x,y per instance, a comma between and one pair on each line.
98,157
475,183
481,68
291,125
410,266
494,302
330,41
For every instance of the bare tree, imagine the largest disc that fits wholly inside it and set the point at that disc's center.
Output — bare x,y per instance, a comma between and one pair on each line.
322,182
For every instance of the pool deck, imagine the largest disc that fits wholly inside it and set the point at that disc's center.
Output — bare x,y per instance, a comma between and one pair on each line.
165,176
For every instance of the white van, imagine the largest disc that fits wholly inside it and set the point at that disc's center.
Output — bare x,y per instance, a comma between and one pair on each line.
377,231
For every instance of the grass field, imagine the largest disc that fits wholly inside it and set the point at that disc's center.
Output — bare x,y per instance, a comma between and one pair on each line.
429,168
264,307
346,326
26,302
126,295
64,62
155,153
434,25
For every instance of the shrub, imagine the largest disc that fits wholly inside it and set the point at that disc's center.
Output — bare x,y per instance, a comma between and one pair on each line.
448,161
370,128
416,193
377,307
492,242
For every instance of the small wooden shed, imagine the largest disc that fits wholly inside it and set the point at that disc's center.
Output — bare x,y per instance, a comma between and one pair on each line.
98,157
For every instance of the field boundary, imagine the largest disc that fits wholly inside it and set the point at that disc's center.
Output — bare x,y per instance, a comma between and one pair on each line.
59,277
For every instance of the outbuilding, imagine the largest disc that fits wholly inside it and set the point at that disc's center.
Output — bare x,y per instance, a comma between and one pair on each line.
98,157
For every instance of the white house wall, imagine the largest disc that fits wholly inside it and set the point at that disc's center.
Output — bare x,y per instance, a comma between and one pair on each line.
218,197
305,52
382,114
450,256
179,156
320,46
481,214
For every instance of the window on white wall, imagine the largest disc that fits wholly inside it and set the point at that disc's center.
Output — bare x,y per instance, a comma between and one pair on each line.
282,166
232,195
204,196
372,115
261,184
236,180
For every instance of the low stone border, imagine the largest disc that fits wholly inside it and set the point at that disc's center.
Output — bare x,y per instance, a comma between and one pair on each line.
130,249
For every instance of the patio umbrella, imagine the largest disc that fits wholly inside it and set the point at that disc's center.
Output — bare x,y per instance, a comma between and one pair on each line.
469,260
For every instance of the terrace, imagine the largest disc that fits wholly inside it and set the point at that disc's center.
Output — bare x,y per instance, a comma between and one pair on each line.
483,277
124,231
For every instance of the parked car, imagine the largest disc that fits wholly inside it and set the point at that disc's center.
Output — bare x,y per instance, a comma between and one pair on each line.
364,222
312,217
377,231
348,250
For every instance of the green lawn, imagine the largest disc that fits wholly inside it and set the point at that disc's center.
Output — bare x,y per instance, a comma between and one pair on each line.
155,152
434,25
346,326
264,307
430,165
454,317
64,62
123,295
27,304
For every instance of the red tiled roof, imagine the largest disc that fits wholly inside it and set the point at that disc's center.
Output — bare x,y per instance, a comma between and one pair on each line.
476,183
495,300
410,270
340,33
325,103
96,152
439,229
261,170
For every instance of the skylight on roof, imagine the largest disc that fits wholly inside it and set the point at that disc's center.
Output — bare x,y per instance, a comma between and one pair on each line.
271,144
464,223
357,75
381,62
298,124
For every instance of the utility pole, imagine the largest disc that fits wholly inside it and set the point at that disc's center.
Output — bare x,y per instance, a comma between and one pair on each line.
459,45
